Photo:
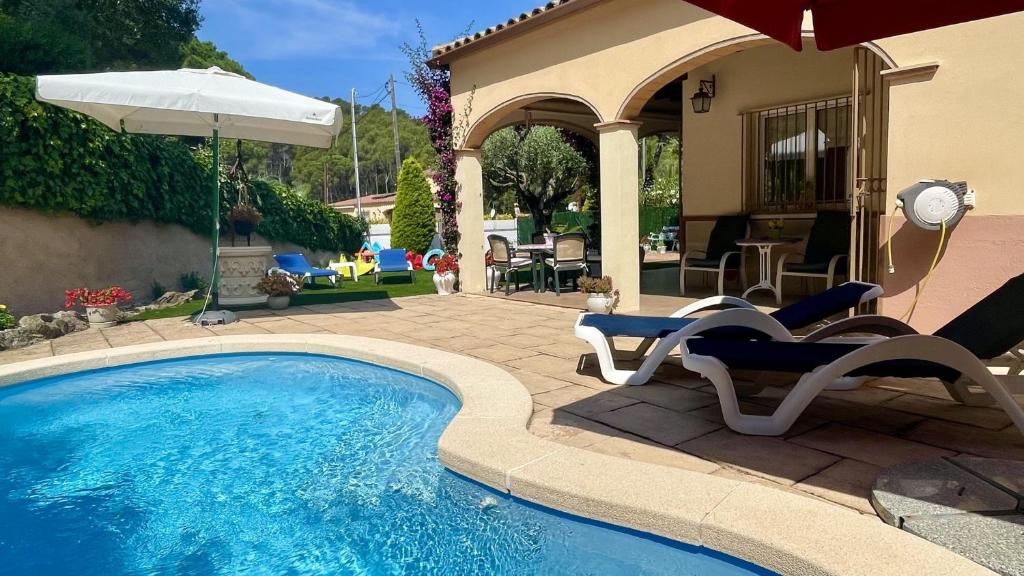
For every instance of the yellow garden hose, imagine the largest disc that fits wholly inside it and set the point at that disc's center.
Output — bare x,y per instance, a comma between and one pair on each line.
924,283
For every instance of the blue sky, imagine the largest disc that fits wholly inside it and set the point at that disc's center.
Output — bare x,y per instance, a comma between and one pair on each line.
328,47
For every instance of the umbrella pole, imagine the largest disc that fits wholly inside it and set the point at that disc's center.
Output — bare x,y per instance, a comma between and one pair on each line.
215,210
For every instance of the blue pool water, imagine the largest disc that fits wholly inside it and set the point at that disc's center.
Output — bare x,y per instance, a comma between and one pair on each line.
274,464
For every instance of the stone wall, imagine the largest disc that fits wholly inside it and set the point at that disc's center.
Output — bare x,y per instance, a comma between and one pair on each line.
41,255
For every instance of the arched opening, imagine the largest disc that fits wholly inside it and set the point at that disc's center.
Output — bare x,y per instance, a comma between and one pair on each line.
554,109
788,135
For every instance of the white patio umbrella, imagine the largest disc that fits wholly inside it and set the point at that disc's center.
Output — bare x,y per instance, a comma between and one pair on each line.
192,102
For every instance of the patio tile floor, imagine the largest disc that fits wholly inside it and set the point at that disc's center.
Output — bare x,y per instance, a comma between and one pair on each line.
832,453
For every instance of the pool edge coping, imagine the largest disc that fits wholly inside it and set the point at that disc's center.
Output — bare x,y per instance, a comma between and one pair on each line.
488,441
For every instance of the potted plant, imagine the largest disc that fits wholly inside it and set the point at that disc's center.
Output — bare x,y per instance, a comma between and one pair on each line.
244,219
279,289
7,319
493,274
445,269
775,227
100,305
659,245
602,298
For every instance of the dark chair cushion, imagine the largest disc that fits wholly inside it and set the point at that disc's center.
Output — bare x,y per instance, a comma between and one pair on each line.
727,230
994,325
804,357
813,268
830,235
823,305
732,264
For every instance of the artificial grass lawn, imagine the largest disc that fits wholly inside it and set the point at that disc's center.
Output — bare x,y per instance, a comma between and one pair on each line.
391,286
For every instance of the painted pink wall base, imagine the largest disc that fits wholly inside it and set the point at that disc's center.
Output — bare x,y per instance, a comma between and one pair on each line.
981,253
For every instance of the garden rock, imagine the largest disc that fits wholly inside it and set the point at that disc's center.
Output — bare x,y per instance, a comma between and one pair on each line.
171,299
54,325
18,338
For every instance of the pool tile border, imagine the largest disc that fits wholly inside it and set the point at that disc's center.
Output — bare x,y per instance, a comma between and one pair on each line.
488,441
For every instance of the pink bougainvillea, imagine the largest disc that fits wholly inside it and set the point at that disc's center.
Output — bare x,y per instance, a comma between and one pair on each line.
434,86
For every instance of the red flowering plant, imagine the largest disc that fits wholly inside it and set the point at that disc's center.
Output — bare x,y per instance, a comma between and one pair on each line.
95,298
445,264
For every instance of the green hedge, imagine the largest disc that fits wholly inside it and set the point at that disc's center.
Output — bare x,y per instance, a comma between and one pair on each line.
59,161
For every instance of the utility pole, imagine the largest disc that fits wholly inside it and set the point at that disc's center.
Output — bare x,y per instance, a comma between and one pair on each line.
355,156
394,125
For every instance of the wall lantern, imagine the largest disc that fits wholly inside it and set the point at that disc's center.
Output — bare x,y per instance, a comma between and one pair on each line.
702,99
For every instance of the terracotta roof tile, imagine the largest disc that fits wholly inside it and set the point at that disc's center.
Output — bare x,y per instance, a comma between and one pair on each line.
443,49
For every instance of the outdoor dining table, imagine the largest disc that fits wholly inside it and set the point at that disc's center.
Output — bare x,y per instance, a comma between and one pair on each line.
537,253
764,251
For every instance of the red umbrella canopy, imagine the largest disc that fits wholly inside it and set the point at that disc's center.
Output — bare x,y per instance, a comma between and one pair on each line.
839,23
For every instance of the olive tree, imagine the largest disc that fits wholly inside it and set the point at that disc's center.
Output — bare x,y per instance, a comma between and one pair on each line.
542,166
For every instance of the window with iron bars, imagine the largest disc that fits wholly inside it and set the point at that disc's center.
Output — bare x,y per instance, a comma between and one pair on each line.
797,158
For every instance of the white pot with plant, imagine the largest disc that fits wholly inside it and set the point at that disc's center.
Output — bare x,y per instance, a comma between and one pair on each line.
445,269
602,298
279,288
660,246
100,305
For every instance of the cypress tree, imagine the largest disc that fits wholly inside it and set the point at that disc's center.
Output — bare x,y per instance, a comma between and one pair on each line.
412,223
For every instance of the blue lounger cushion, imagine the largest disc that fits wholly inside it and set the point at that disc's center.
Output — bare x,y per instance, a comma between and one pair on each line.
804,357
393,260
803,313
296,263
635,326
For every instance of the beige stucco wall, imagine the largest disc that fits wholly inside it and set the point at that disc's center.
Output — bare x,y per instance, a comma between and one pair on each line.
42,255
964,122
758,78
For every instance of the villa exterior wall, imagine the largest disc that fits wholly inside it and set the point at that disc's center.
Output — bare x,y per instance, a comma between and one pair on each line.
42,255
961,121
764,77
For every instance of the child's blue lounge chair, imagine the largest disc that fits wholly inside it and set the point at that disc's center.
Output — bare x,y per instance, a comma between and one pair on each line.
296,264
989,329
393,260
599,329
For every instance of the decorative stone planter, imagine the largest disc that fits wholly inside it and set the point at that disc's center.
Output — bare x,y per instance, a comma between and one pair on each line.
240,269
493,278
278,302
102,316
601,303
444,283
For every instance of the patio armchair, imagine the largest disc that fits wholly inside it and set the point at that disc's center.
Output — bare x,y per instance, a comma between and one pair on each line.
827,246
393,260
954,355
600,329
721,254
295,263
506,262
569,253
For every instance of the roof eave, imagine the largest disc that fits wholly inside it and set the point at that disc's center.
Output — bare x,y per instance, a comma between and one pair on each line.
444,54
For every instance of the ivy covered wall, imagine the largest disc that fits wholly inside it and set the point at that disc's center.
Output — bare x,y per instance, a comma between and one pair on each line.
58,161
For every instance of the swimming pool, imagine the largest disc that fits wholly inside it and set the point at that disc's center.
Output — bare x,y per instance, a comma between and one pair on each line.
272,464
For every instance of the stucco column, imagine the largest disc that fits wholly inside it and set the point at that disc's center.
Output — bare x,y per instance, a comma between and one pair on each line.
470,177
620,212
